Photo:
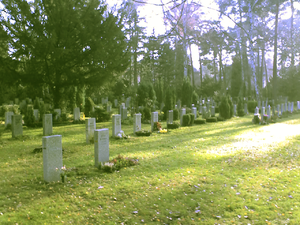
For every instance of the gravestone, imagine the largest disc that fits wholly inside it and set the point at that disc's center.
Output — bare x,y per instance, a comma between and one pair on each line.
127,103
278,110
47,124
245,109
116,125
298,105
101,146
121,110
137,125
36,115
124,113
269,111
259,104
285,106
292,107
212,111
76,113
234,109
256,112
263,112
194,111
204,113
108,108
8,116
154,118
16,125
58,113
90,127
170,117
182,112
52,158
289,106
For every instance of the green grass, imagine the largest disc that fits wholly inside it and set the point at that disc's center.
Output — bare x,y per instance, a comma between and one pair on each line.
229,172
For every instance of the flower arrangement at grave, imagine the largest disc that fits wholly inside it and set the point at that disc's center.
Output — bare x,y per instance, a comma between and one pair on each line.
256,119
156,126
163,131
122,135
117,163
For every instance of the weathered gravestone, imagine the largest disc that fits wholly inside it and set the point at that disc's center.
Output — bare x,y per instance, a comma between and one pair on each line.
90,127
256,112
36,115
76,113
16,125
52,158
194,111
101,146
204,113
137,125
124,113
58,113
245,109
154,118
298,105
170,117
8,116
121,110
234,109
269,111
116,125
182,112
47,124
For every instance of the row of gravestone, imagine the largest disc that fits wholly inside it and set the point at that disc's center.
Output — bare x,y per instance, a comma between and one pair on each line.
280,108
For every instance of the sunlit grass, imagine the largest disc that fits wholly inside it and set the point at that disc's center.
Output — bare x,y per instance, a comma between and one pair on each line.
230,172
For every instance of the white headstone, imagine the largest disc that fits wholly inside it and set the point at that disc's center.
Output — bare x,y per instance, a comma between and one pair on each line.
90,127
234,110
76,113
292,107
58,113
154,118
256,111
101,146
194,111
116,124
298,105
16,125
52,158
137,125
47,124
170,117
269,111
8,116
36,114
182,112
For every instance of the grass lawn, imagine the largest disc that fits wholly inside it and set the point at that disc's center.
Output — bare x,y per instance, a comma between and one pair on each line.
230,172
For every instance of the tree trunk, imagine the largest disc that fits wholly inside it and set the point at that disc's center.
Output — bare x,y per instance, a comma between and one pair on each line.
192,66
215,71
292,31
135,50
275,54
200,64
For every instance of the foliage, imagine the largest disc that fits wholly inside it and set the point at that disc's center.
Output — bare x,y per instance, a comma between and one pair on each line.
211,119
156,126
146,115
219,118
236,77
173,125
231,106
186,120
192,119
175,114
240,107
100,114
36,104
146,95
200,121
169,101
29,119
187,92
251,105
224,108
143,133
88,107
117,163
195,97
57,56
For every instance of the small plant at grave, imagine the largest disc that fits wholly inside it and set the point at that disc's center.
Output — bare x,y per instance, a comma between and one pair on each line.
186,119
156,126
117,163
211,119
173,125
143,133
127,121
256,119
192,119
175,114
63,175
265,119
